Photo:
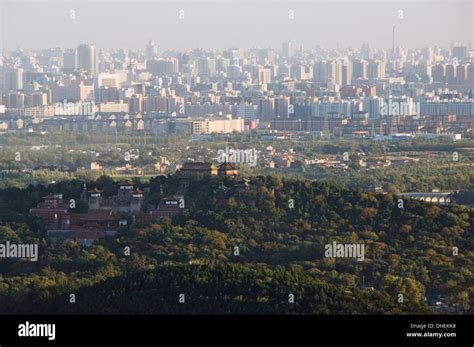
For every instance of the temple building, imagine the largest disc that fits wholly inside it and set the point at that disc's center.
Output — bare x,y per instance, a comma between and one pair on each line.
190,169
104,214
199,168
227,169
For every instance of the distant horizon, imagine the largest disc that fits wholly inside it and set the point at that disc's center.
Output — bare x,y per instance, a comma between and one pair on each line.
210,25
277,48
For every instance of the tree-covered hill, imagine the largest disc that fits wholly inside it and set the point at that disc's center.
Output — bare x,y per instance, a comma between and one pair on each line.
221,288
243,247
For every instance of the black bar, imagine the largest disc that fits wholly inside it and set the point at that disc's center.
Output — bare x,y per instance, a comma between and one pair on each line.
137,330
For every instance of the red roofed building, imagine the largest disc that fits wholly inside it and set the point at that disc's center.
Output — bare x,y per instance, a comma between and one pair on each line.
52,209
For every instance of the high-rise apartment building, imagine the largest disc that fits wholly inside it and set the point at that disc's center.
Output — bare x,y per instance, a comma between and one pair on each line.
359,69
87,58
69,60
287,49
151,50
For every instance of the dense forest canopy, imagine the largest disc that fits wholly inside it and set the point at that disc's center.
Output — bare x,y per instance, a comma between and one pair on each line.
239,249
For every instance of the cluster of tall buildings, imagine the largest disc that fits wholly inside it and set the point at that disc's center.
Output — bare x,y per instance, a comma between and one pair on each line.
209,88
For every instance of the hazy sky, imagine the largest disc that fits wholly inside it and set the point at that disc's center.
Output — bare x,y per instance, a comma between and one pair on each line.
227,23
